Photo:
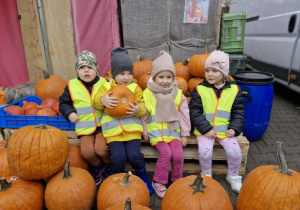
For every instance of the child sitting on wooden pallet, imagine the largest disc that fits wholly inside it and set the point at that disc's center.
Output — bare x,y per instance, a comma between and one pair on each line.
217,113
167,123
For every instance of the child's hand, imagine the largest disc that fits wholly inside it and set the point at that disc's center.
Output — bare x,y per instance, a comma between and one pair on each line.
230,133
134,110
184,140
145,135
211,134
108,101
73,117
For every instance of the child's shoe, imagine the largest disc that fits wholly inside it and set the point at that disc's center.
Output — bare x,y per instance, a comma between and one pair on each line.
208,174
160,189
108,171
235,182
98,174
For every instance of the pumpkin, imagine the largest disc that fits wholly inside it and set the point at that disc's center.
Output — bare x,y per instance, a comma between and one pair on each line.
46,112
196,192
16,193
194,82
141,67
50,86
182,84
71,188
27,105
197,63
118,187
271,187
56,108
128,206
48,103
75,157
182,69
37,152
135,81
15,110
144,80
32,111
5,170
125,97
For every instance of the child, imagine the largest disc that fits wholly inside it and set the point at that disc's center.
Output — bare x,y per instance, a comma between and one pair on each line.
124,143
167,123
217,112
75,105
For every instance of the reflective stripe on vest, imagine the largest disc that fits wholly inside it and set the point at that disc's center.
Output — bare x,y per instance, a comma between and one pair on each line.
113,127
158,132
89,118
217,111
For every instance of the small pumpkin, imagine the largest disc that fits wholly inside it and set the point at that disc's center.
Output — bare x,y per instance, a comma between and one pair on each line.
27,105
125,97
197,63
194,82
196,192
48,103
32,111
71,188
182,69
144,80
50,86
56,108
141,67
118,187
128,206
182,84
46,112
15,110
271,187
5,170
75,157
37,152
16,193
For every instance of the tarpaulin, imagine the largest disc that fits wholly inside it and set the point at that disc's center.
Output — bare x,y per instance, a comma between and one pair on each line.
96,28
13,66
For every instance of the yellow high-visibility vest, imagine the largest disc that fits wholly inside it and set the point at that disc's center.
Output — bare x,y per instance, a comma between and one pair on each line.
114,127
158,132
89,118
217,111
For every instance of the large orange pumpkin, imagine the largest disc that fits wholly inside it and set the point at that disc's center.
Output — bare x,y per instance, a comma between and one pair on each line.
182,69
75,157
16,193
271,187
5,170
37,152
71,188
197,63
125,97
196,192
144,80
118,187
50,86
141,67
194,82
128,206
182,84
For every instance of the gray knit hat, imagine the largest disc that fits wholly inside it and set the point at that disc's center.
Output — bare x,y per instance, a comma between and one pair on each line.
120,61
163,62
218,60
87,58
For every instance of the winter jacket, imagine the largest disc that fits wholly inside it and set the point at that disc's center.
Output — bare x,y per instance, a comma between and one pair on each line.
196,110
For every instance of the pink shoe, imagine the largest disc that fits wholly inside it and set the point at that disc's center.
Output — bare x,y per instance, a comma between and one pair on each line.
160,189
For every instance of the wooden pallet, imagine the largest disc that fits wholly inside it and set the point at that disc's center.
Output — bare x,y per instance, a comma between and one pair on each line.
191,162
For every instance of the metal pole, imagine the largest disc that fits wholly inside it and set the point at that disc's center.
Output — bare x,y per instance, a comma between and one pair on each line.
44,34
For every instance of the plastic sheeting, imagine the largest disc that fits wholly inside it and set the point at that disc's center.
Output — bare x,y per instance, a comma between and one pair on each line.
96,28
13,65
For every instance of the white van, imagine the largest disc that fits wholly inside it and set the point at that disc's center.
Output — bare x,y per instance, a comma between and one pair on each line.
271,39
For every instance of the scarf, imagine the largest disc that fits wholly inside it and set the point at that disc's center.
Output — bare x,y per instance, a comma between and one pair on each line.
165,107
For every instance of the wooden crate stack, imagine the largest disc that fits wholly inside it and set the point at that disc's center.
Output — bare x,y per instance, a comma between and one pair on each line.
191,162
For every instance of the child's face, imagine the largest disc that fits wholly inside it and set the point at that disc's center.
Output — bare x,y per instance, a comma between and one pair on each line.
214,76
86,73
124,78
164,79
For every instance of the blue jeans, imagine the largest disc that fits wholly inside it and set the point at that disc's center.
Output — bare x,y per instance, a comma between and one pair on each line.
123,151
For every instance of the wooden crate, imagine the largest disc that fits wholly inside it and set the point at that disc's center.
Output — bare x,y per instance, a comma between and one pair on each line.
191,162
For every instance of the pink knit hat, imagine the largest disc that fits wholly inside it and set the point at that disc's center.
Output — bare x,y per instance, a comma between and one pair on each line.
218,60
163,62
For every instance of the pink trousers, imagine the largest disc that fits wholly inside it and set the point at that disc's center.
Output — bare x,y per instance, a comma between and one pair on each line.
167,152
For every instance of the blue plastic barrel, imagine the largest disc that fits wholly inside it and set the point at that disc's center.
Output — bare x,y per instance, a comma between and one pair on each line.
257,88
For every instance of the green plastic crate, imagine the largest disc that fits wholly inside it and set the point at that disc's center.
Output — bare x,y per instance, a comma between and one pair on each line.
233,24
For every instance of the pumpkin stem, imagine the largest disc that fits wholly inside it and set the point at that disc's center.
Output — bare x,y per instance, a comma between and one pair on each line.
125,181
283,168
67,173
186,62
141,58
46,74
42,126
127,204
7,137
4,184
198,184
